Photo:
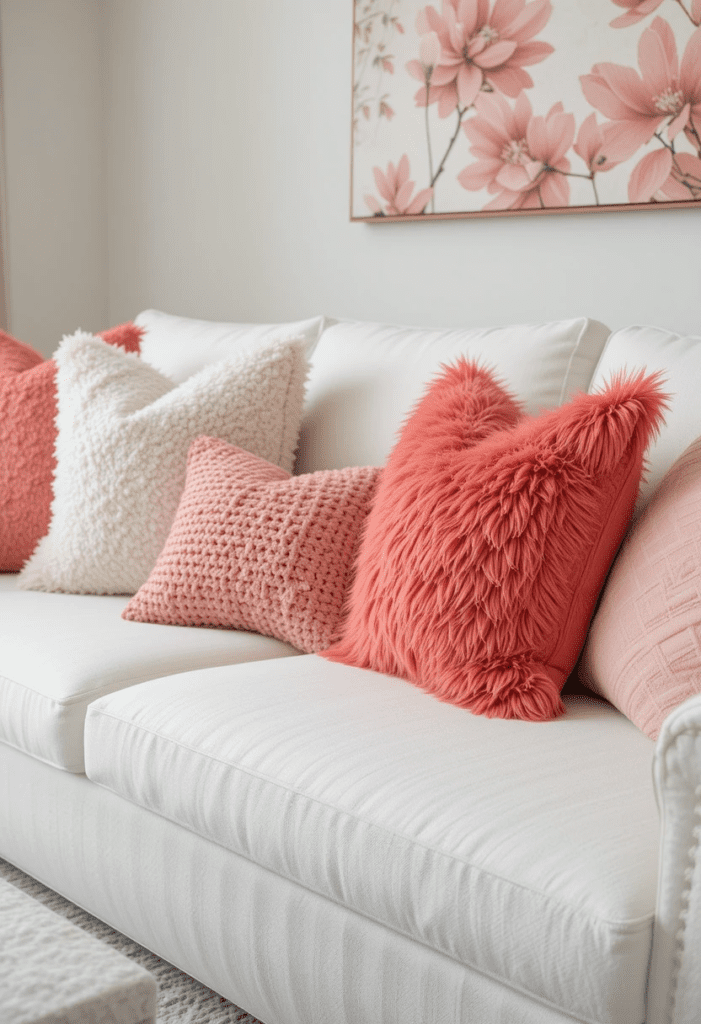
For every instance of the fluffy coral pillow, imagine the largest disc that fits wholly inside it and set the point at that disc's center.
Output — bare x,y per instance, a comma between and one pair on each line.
27,437
643,652
483,558
254,548
124,431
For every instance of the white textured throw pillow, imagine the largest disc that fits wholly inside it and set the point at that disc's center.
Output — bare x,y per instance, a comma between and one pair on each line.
124,431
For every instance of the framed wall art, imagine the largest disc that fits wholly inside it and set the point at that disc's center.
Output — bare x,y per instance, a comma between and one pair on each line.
466,108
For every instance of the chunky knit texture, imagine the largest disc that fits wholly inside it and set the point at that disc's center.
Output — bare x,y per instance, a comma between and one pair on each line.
254,548
485,549
124,431
27,437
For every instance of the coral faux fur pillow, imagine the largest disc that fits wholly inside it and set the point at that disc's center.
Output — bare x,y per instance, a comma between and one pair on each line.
27,437
124,431
254,548
486,549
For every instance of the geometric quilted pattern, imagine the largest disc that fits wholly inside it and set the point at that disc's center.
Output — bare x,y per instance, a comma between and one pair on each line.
644,647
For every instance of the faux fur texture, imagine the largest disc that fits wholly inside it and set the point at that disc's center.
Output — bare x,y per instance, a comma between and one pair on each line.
123,435
27,438
254,548
489,541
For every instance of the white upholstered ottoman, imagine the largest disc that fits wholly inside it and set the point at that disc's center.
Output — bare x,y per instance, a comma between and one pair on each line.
52,972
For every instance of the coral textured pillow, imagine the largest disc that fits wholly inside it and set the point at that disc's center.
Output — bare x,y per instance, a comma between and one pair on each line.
27,437
482,559
255,548
643,652
124,431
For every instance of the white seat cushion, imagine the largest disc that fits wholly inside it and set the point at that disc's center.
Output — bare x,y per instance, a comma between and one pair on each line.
58,652
366,377
527,851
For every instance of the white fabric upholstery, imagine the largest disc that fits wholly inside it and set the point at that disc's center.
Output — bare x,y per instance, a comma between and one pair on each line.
678,357
284,953
525,851
366,377
58,652
179,346
675,971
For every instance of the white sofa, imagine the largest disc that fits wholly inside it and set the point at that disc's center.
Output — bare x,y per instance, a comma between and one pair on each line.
326,845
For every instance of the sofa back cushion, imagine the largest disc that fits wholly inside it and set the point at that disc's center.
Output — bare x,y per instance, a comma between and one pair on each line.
678,358
179,346
366,377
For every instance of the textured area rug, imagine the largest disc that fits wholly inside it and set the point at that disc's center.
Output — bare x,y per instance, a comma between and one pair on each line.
181,999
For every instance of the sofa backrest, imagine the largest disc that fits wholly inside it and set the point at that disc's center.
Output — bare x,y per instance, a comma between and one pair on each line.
678,357
365,378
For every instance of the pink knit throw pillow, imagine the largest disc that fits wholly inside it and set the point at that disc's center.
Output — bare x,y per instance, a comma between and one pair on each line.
254,548
643,652
27,436
482,559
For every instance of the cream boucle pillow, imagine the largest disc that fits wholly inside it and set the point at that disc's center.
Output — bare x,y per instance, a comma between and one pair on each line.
124,431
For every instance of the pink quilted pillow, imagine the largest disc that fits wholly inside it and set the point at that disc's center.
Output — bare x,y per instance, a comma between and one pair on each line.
481,562
254,548
643,652
27,436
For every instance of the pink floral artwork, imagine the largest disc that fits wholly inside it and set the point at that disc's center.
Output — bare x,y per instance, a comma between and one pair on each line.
490,107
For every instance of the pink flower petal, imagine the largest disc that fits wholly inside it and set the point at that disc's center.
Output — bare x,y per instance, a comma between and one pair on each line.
561,129
664,31
495,55
513,177
589,140
533,53
690,73
373,204
420,201
448,100
538,139
627,85
598,93
679,123
696,11
430,50
504,201
649,175
510,80
532,19
416,70
654,62
505,13
624,20
477,176
625,137
523,112
469,83
443,74
403,171
467,15
555,190
383,186
403,197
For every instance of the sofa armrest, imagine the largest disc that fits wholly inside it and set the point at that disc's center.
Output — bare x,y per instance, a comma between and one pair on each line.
674,991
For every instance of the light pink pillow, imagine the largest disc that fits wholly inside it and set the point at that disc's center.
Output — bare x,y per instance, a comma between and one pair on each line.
254,548
485,549
643,652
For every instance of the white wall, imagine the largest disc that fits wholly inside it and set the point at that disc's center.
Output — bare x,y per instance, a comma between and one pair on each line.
229,151
203,168
54,159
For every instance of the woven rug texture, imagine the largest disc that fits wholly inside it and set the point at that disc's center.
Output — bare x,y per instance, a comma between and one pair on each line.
181,999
